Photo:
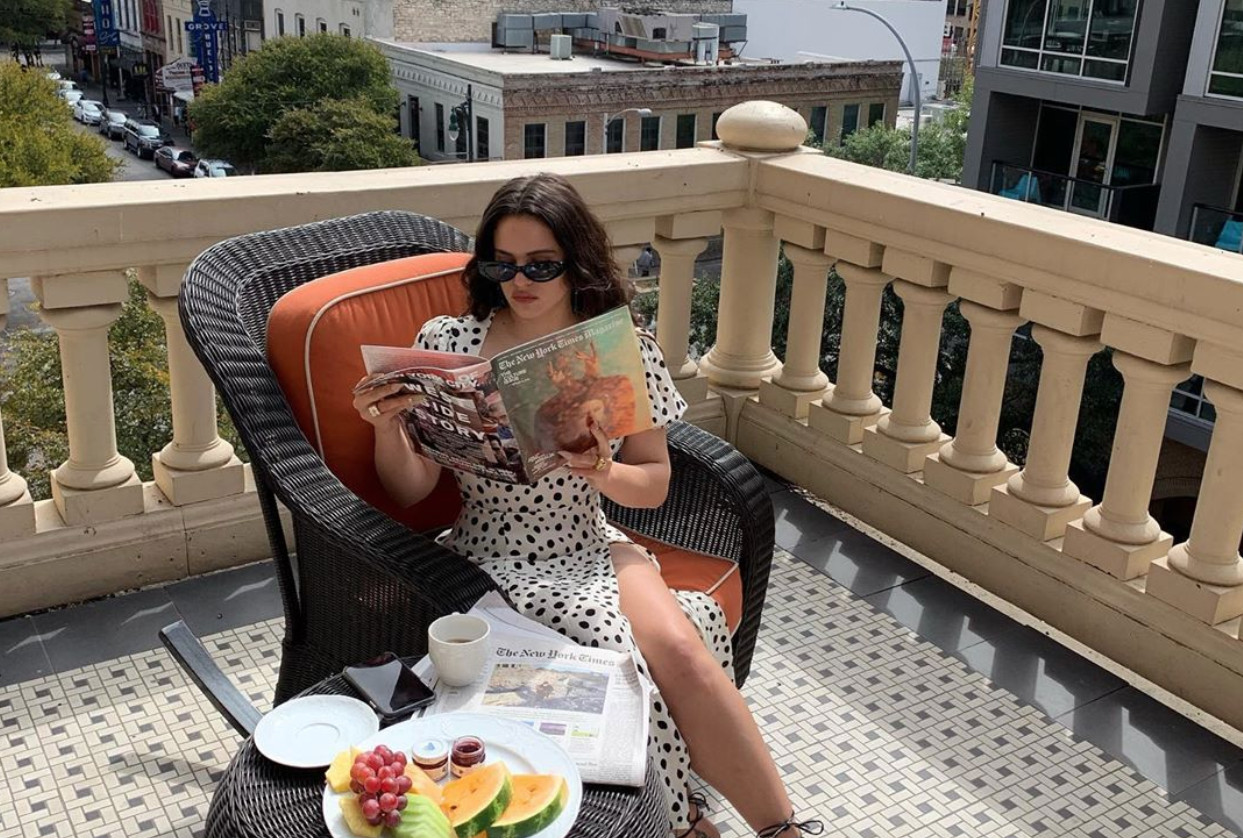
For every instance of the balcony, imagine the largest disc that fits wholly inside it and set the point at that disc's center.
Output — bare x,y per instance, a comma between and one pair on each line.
895,702
1217,227
1134,205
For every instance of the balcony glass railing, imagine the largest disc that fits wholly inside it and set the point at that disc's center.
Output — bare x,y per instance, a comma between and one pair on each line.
1132,205
1217,227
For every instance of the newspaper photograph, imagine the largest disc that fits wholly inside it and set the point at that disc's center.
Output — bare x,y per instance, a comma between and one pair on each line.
592,702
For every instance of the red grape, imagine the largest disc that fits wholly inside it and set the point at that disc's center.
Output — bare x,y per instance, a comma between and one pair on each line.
384,752
385,772
356,787
402,800
388,801
403,784
388,785
371,808
392,819
372,784
399,759
361,758
375,761
359,772
376,821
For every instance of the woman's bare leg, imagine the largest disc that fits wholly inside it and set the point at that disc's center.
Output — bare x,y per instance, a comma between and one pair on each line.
725,745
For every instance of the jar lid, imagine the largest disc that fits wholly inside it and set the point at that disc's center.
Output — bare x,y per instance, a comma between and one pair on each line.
431,751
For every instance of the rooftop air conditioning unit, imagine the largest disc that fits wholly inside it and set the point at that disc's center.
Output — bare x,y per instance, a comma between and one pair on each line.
560,47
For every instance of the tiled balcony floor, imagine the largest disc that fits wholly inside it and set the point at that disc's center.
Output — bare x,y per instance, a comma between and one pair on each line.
895,704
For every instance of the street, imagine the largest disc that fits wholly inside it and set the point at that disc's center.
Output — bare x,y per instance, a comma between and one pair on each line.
132,168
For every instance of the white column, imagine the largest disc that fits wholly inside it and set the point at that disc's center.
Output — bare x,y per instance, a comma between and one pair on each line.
17,511
905,437
742,356
801,381
970,465
1041,499
673,314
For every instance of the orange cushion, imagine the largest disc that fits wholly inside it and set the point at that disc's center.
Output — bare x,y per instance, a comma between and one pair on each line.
314,335
686,570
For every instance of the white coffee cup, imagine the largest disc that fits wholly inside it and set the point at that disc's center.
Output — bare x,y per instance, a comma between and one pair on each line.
458,645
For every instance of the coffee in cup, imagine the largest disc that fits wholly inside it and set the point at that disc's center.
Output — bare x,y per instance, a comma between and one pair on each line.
458,645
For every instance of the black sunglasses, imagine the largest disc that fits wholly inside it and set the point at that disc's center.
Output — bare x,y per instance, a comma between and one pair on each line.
534,271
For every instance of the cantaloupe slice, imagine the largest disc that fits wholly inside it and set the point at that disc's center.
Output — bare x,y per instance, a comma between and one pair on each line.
423,784
475,801
354,819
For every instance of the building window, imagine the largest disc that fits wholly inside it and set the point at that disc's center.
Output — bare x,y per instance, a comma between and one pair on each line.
686,131
440,128
876,113
615,140
323,25
649,133
180,45
715,117
280,24
819,116
533,136
1226,78
301,25
1089,38
850,121
575,139
345,30
482,152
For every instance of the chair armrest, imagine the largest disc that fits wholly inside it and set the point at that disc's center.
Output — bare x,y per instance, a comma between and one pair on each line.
717,504
220,691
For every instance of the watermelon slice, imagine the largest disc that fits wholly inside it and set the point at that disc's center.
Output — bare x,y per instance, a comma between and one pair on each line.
536,802
474,802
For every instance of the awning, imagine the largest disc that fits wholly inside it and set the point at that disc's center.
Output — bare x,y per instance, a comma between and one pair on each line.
184,95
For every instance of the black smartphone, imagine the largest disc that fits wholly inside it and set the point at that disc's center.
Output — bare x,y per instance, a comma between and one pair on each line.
390,686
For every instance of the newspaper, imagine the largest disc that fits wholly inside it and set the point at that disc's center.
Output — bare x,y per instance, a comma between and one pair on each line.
592,702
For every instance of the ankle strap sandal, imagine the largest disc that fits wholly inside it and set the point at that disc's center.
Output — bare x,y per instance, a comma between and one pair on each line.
811,827
701,806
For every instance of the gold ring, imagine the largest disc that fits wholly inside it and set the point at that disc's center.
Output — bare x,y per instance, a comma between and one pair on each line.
601,464
374,411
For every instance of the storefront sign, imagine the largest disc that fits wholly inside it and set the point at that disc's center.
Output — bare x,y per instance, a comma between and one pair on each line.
203,29
106,34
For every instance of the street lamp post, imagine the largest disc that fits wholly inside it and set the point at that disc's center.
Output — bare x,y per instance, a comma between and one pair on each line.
910,62
464,114
608,120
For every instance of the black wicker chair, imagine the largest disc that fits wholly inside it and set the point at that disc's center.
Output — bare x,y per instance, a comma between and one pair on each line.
361,583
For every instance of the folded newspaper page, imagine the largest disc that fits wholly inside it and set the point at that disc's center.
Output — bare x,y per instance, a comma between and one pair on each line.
592,702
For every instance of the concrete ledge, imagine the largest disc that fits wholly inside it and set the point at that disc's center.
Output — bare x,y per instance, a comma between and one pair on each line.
1196,662
906,457
969,487
1040,522
1123,561
1210,604
790,402
839,426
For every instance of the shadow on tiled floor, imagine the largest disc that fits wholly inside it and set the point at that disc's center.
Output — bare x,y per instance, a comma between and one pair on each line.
896,705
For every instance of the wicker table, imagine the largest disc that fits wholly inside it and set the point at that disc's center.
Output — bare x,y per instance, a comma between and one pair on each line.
257,798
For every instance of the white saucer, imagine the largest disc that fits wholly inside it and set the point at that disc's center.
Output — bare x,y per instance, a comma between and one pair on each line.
308,732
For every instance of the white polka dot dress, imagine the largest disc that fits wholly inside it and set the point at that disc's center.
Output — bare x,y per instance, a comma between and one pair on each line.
547,546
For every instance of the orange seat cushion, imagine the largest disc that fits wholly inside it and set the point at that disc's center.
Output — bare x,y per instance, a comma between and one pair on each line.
314,337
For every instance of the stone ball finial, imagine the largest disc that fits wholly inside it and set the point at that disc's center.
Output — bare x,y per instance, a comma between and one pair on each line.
761,126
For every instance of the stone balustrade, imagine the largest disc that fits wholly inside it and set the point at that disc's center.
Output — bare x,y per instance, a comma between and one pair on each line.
1099,569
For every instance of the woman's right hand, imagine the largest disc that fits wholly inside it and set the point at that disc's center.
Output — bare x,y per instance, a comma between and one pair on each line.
380,406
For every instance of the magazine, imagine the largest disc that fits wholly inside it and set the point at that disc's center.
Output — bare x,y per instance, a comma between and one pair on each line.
592,702
506,419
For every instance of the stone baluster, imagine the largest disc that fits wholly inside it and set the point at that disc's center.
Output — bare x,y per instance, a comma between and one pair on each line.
1118,535
1041,499
197,464
96,483
851,406
1204,575
801,380
17,511
673,314
743,356
970,465
907,435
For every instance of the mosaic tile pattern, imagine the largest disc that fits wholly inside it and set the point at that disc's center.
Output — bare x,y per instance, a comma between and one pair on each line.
879,733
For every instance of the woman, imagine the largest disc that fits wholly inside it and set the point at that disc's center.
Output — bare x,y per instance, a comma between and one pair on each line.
543,262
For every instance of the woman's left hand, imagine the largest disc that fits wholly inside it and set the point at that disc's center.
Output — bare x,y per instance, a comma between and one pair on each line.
594,464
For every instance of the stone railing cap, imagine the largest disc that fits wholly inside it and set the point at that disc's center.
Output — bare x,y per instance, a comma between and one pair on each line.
761,126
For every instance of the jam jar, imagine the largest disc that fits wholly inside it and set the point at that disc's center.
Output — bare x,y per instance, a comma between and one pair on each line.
432,757
467,755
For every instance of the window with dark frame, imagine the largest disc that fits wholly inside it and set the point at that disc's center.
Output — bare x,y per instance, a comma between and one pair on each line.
482,152
850,121
280,24
715,117
876,113
533,140
1226,71
301,26
819,122
615,143
1087,38
649,133
575,138
686,131
440,127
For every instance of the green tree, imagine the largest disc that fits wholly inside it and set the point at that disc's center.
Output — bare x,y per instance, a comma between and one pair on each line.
39,145
336,135
34,400
28,22
236,118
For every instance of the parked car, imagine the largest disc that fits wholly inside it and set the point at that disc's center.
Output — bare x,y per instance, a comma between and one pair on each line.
66,84
54,75
178,162
143,138
87,111
70,97
211,167
112,123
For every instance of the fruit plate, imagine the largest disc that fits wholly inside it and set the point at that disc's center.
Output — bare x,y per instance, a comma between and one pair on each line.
308,732
522,749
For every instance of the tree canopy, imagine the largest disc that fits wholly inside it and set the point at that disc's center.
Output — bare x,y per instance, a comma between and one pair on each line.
39,145
336,135
290,76
27,22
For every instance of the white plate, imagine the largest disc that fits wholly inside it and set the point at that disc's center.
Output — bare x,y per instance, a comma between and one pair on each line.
521,748
308,732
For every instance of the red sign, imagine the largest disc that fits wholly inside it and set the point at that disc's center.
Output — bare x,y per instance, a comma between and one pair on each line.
88,32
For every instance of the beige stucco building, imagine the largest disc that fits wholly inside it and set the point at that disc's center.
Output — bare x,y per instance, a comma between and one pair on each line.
530,105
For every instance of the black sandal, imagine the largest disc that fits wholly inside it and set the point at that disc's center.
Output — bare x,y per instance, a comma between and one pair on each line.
811,827
701,806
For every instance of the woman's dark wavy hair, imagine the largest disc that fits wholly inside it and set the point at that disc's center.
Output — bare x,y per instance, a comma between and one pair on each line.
596,283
